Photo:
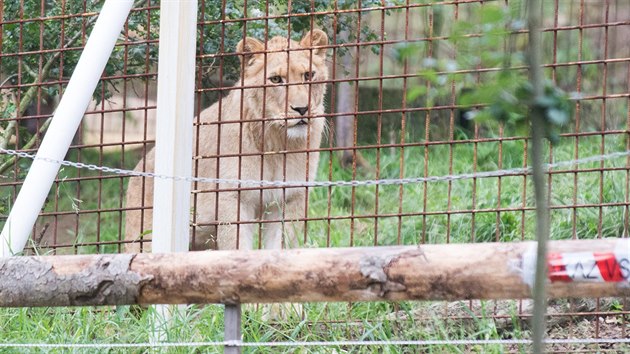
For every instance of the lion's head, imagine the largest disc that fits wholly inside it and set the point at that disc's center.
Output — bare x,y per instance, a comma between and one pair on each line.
287,82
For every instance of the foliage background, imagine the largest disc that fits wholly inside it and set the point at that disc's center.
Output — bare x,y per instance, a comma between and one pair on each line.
444,57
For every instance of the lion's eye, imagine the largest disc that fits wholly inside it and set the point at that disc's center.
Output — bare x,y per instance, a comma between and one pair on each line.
308,76
276,79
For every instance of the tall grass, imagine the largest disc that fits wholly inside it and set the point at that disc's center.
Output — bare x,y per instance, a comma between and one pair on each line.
458,211
466,210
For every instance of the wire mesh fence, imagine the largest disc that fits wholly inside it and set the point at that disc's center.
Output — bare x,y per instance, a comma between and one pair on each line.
397,74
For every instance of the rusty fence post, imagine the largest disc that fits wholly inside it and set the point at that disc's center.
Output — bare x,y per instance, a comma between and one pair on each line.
232,323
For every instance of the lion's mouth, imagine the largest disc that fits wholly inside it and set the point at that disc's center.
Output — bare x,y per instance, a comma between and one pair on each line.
292,121
296,123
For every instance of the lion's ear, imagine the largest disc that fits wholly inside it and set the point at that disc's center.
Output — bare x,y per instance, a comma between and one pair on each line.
315,38
246,47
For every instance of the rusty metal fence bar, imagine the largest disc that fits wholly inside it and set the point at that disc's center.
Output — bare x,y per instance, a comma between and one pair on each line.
399,145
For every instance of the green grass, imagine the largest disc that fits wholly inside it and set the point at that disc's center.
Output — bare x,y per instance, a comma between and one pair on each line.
86,198
327,322
364,321
435,227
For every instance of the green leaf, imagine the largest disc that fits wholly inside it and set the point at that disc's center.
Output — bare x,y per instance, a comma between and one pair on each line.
403,51
545,102
415,92
508,98
524,92
468,100
557,117
429,74
491,14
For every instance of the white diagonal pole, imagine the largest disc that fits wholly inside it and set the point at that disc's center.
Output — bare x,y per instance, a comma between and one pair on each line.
63,127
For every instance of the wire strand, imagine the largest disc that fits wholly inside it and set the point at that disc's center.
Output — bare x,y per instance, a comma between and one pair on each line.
353,183
319,343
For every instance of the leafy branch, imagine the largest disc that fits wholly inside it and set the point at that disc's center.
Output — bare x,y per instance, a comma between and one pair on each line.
12,159
28,97
503,96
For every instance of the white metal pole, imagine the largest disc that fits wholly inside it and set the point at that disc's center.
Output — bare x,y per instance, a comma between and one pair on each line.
174,125
173,137
64,125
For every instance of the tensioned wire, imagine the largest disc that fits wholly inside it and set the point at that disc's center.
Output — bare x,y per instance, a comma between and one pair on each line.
336,343
264,183
353,183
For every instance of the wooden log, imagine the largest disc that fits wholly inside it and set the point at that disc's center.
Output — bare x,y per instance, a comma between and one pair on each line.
425,272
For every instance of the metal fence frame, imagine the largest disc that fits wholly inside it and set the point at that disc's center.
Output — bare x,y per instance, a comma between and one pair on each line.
588,28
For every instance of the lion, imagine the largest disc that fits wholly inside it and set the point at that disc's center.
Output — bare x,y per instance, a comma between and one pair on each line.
254,133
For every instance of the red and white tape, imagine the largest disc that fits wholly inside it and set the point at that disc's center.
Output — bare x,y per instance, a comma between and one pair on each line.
588,267
609,266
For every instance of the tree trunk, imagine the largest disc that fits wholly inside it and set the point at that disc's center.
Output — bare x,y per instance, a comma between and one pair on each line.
346,102
592,268
344,124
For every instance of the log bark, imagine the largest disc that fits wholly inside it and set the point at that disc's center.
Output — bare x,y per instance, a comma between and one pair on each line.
69,280
425,272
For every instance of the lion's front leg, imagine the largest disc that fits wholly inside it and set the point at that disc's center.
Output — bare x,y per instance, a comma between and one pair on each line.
284,231
235,223
272,227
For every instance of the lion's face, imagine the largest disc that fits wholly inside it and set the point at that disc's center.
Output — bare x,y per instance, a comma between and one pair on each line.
291,93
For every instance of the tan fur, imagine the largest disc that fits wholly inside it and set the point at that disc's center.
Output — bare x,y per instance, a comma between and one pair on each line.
245,135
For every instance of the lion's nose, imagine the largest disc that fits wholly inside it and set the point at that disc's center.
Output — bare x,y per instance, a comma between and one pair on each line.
301,110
